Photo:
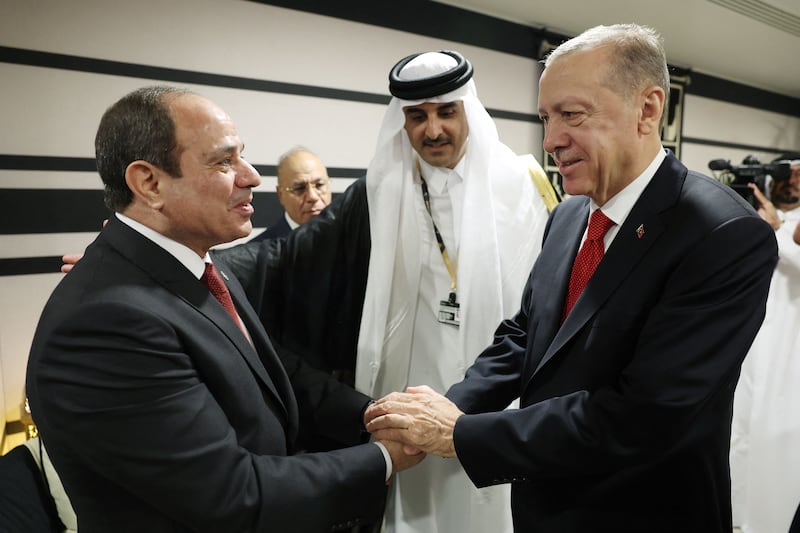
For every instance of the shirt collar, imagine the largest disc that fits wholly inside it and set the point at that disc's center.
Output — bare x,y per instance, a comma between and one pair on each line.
619,206
290,221
438,177
182,253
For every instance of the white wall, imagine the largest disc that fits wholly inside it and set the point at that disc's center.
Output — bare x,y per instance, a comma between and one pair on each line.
724,122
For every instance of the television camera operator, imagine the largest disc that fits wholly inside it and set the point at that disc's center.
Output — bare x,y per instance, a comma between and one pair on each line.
765,440
784,196
751,175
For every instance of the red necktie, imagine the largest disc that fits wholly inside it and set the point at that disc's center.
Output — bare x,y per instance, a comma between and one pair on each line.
588,258
219,290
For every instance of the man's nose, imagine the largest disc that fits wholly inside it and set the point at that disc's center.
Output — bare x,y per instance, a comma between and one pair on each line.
312,193
554,138
433,128
247,176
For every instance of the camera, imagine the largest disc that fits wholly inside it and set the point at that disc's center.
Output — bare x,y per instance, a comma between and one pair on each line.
750,171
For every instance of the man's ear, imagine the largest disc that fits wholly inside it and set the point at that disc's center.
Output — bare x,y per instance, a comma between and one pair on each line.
144,181
652,109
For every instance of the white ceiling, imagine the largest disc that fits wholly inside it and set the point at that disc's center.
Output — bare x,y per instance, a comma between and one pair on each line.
698,34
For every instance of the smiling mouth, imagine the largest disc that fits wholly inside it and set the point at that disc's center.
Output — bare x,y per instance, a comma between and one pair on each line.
247,202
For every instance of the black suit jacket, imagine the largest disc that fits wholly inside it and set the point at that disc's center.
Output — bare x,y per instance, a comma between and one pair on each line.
308,289
625,408
280,228
160,416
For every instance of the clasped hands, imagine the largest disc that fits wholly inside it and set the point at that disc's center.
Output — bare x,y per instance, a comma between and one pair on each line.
420,419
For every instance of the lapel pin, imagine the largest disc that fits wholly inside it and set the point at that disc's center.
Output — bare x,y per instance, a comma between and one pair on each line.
224,275
640,231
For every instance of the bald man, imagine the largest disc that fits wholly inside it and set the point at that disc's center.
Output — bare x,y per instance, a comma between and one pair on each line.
303,190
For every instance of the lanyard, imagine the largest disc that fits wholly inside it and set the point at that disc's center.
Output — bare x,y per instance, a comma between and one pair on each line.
445,256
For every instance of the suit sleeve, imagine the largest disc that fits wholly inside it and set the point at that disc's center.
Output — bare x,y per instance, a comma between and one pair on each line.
682,356
328,408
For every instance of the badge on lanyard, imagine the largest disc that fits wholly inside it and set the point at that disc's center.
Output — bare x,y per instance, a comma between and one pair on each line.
450,310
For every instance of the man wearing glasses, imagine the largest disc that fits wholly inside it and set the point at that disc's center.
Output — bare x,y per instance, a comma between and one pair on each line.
303,190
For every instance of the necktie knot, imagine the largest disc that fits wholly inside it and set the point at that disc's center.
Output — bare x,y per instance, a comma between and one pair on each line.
599,224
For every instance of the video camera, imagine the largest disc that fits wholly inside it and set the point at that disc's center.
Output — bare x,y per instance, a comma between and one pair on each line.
750,171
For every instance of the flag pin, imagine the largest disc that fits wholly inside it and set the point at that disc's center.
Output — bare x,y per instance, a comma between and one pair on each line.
640,231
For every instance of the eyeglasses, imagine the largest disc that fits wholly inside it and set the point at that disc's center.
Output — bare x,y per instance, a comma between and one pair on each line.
301,187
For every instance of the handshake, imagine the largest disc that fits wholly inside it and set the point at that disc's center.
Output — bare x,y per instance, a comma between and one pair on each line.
413,423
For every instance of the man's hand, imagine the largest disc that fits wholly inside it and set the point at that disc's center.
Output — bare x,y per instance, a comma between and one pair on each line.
420,418
766,208
69,261
402,456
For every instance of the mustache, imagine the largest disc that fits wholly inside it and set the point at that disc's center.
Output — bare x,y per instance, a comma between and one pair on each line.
438,141
559,156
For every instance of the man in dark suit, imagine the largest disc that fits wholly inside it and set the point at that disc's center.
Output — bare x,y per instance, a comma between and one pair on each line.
625,401
162,409
303,190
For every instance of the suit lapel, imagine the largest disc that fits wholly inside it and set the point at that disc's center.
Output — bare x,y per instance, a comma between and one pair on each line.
173,276
552,272
641,229
263,359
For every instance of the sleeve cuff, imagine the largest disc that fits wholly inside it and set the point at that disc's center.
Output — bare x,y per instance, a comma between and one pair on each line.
387,458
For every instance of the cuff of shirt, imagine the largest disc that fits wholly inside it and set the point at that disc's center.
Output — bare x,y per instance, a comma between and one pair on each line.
387,458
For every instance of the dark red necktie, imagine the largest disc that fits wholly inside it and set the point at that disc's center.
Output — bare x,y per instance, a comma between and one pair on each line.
217,287
588,258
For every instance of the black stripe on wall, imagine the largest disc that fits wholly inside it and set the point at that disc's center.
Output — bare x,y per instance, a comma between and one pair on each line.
86,164
432,19
82,210
736,93
464,26
23,266
737,146
47,163
21,56
54,210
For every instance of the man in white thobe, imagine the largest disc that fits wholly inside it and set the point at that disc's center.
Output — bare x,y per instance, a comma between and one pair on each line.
765,441
456,225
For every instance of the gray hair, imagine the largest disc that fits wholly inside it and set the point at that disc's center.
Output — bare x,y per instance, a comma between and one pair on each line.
638,58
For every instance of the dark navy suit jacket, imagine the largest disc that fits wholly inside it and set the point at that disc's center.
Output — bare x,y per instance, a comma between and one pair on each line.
625,408
280,228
